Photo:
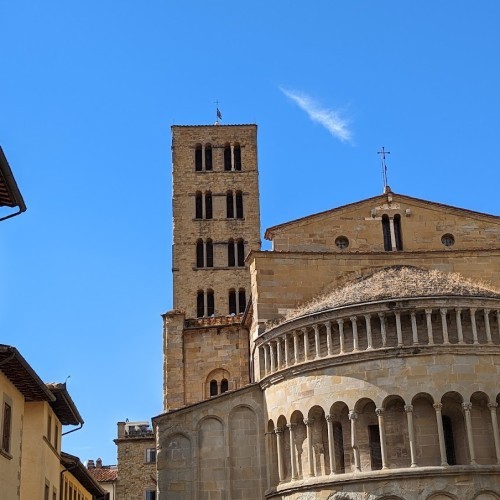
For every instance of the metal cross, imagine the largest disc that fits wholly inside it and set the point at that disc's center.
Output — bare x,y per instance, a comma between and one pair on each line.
383,154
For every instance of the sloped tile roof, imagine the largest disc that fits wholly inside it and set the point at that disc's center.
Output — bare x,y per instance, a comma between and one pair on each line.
105,473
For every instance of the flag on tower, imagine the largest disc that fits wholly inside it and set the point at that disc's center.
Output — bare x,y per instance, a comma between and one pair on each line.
219,114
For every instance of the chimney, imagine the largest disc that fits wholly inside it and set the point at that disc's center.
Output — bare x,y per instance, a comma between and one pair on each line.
90,464
98,463
121,429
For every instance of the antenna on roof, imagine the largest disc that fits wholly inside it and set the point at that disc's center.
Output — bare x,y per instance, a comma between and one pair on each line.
383,154
218,114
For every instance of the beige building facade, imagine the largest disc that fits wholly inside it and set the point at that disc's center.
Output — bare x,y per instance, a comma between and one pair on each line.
365,365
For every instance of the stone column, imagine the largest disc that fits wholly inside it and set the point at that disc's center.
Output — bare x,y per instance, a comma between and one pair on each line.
487,326
398,329
281,465
232,162
203,159
331,443
474,327
271,356
306,344
317,344
295,347
329,345
439,419
498,321
411,435
205,303
287,349
383,332
444,324
310,451
414,329
383,448
293,459
353,416
393,233
428,314
368,331
494,424
354,324
340,322
235,213
468,427
266,360
458,315
278,354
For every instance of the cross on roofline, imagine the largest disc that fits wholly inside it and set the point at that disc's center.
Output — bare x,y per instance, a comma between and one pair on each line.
383,154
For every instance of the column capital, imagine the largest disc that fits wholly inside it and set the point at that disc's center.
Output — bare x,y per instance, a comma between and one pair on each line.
379,411
381,315
279,430
367,316
408,408
329,418
486,311
428,311
438,406
295,333
291,426
492,406
458,310
353,415
340,321
467,406
353,318
316,327
443,311
473,310
309,421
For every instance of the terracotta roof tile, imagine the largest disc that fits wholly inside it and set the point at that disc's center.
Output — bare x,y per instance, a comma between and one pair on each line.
105,473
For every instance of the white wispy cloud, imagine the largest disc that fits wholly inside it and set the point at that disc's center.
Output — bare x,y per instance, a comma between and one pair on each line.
329,118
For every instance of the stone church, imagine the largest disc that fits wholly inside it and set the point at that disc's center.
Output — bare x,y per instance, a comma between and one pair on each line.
357,359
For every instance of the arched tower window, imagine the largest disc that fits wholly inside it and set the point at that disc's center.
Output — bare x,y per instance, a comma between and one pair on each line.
208,157
200,304
198,205
198,162
231,261
210,303
227,157
239,205
397,232
229,205
200,261
232,302
242,300
241,253
208,205
237,157
210,253
224,385
386,230
213,388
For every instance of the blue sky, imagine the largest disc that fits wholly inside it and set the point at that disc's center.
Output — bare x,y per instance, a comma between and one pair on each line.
89,91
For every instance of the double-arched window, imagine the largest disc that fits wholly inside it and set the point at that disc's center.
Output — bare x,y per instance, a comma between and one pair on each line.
204,253
205,303
237,301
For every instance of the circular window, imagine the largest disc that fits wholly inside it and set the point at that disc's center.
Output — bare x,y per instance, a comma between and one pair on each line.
448,240
342,242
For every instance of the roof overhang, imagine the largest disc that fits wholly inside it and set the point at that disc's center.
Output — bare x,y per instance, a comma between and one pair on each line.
10,196
73,465
63,406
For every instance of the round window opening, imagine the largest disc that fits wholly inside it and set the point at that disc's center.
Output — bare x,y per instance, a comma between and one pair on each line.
448,240
342,242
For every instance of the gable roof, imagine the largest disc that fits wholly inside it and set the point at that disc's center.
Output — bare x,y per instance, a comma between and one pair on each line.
380,198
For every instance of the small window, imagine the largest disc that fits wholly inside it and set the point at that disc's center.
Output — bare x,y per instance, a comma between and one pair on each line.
210,303
341,242
397,232
208,157
199,254
386,231
49,428
227,157
241,253
200,304
7,426
150,455
208,205
213,388
448,240
232,302
46,495
242,300
198,206
237,157
210,253
231,262
198,163
229,205
56,436
224,385
239,205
